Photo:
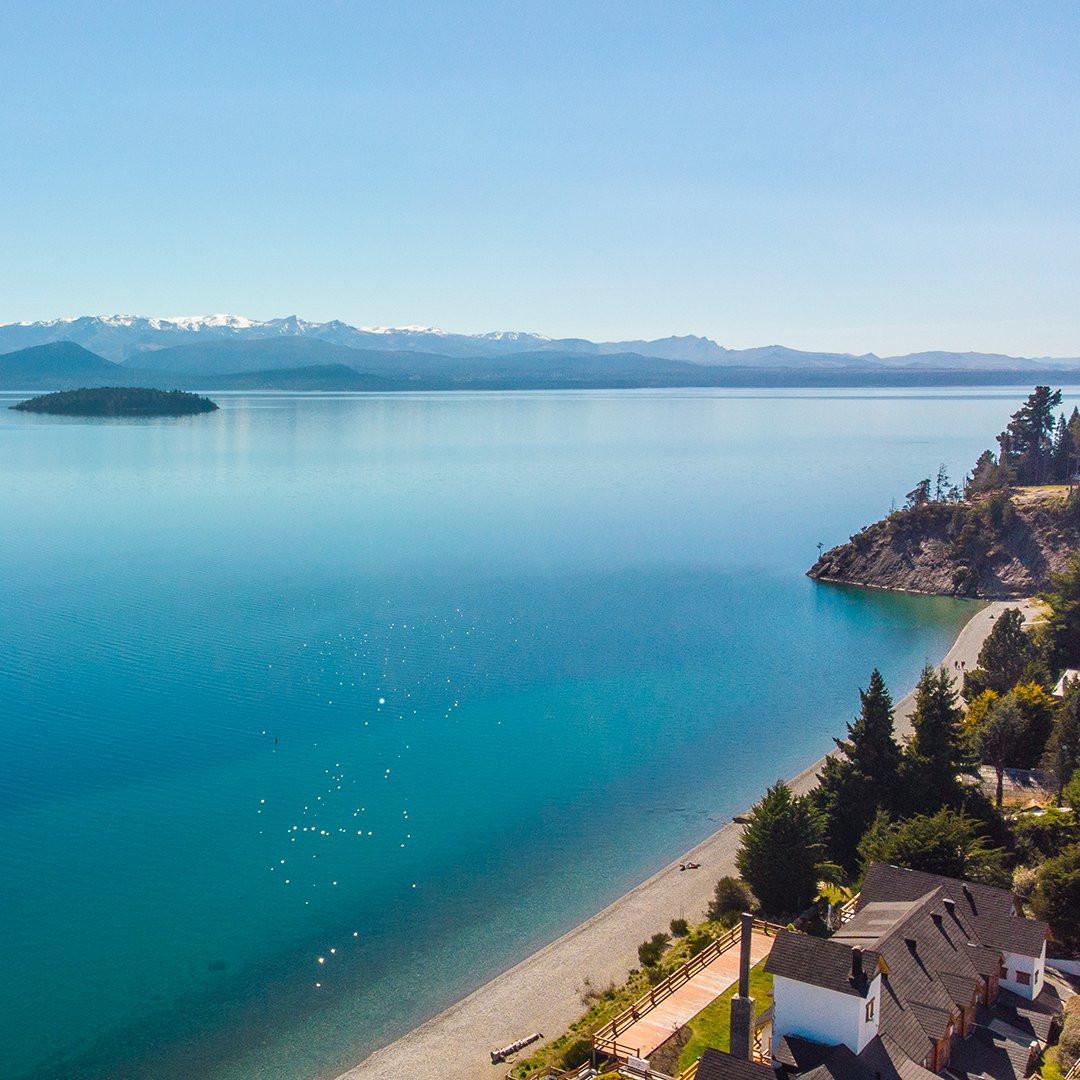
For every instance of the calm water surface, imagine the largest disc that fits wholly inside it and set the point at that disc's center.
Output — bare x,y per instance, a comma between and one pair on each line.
412,683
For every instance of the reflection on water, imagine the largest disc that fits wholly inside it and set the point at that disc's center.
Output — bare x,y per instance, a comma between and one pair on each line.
319,710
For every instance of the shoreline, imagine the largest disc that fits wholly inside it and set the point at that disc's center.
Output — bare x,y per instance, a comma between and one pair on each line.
543,991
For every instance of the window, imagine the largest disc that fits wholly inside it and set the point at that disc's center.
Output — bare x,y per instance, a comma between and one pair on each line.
1003,971
870,1010
1023,978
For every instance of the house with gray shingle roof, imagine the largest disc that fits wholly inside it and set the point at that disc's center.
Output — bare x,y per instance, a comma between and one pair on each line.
931,976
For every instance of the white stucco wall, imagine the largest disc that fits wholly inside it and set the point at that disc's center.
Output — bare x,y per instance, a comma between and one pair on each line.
824,1015
1034,966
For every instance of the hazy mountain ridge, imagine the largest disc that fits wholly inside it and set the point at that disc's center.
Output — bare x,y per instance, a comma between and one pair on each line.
310,364
127,338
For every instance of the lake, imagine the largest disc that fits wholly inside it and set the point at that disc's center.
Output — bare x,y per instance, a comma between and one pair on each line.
319,711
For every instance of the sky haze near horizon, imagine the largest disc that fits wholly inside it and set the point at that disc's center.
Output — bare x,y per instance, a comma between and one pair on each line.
844,176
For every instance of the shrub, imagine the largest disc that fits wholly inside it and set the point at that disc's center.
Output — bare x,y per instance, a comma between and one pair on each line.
1069,1044
1057,896
1038,837
697,942
731,896
649,952
946,843
577,1053
1071,792
679,928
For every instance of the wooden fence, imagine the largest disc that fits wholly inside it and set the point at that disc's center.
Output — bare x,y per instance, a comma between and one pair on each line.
605,1040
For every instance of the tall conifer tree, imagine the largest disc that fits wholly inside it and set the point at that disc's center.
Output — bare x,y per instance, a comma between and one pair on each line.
856,782
936,754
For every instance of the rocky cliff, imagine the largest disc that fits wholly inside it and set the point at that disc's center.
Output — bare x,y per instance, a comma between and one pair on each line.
1000,547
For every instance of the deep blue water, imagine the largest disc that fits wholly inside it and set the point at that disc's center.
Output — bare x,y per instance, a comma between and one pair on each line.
413,683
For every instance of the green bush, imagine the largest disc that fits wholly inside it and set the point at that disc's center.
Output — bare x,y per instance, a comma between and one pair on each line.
649,952
697,942
1038,837
1057,896
1069,1044
679,928
1071,792
944,843
577,1053
731,897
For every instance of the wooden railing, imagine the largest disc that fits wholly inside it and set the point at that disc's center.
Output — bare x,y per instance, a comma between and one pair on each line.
847,912
605,1040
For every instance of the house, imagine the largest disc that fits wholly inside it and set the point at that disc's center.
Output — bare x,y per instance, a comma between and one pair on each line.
931,976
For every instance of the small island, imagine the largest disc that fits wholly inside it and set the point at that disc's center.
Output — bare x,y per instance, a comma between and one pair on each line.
118,401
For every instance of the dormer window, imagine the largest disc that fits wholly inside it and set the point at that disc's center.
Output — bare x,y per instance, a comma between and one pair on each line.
1003,971
870,1010
1023,978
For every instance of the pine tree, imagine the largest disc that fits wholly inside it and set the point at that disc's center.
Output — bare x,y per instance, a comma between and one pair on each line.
858,780
1026,443
987,476
870,743
941,484
1062,757
936,753
1062,452
1004,656
781,852
1062,627
918,496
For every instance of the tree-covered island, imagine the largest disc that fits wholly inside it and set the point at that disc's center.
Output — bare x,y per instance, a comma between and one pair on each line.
118,401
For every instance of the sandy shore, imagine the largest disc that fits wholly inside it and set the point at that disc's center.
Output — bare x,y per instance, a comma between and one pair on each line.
543,993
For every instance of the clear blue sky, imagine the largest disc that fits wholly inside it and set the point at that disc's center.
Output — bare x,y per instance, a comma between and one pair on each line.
861,176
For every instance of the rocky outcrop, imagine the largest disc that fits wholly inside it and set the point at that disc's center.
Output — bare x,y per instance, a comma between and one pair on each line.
1000,547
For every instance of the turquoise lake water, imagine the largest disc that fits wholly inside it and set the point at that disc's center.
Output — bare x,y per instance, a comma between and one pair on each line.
413,683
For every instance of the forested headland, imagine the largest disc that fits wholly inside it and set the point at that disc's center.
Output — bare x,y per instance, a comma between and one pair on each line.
1000,533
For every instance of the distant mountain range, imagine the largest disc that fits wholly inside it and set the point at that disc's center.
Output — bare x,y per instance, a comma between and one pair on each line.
232,352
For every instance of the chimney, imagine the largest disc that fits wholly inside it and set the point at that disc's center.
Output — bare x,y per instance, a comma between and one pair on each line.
970,898
742,1006
856,966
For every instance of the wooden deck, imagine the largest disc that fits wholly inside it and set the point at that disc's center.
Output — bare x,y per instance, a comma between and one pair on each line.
684,1003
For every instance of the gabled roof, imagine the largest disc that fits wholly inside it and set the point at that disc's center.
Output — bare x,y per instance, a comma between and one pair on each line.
1025,1019
819,1061
887,1061
880,1059
931,974
718,1065
995,912
795,1052
819,962
891,883
1009,933
986,1056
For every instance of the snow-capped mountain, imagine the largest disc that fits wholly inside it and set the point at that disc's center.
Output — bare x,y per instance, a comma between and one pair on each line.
122,337
130,338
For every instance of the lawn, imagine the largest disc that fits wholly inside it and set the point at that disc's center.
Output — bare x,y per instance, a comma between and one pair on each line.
712,1026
